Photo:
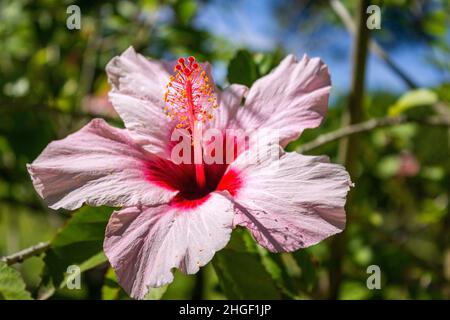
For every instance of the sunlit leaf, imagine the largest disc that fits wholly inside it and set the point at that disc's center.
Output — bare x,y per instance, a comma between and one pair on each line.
413,99
241,274
308,265
111,289
12,286
79,243
156,293
185,10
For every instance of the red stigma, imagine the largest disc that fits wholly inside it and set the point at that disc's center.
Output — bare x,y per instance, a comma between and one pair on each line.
190,95
189,68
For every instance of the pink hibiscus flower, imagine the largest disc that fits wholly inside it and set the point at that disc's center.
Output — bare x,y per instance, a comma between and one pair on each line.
178,215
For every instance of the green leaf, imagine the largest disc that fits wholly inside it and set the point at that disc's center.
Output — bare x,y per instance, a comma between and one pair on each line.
240,272
111,289
275,266
242,69
156,293
268,60
79,242
12,286
431,146
388,166
308,265
352,290
413,99
185,10
436,23
272,262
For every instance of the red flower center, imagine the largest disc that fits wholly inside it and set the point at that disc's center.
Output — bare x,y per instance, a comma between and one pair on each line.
182,178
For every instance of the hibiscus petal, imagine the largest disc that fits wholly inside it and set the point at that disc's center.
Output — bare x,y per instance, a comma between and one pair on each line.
291,203
229,102
99,165
147,124
293,97
135,75
137,96
144,244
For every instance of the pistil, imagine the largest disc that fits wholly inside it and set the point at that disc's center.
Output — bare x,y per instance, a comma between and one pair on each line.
189,98
197,134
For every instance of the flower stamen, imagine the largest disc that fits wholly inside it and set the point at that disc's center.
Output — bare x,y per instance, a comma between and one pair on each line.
189,96
189,99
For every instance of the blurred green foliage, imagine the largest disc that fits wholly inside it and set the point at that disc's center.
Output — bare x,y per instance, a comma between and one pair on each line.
12,286
53,81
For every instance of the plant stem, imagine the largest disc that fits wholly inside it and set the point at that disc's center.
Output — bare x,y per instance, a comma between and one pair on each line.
349,147
26,253
370,125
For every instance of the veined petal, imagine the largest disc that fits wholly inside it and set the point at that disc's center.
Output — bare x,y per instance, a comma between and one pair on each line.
293,97
99,165
229,102
138,86
144,244
291,203
146,123
135,75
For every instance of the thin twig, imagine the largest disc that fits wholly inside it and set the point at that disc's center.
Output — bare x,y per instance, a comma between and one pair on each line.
368,126
26,253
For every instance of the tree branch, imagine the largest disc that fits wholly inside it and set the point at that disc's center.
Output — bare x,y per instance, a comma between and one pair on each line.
368,126
26,253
